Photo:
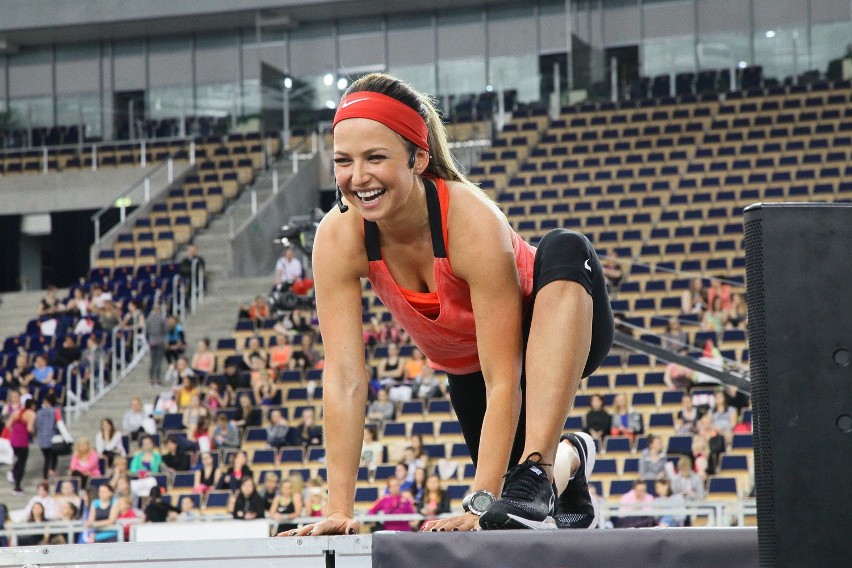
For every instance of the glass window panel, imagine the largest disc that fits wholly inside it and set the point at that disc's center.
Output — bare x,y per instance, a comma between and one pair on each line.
663,56
38,109
85,107
461,47
668,19
312,51
830,12
411,51
772,14
362,45
776,54
621,22
169,102
829,42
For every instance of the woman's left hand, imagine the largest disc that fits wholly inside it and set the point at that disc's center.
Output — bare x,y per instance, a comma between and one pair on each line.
463,522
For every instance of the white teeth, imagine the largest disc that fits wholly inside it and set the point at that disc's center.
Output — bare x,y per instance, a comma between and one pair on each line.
368,194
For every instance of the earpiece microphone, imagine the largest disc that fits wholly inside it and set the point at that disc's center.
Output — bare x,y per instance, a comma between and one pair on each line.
340,205
411,160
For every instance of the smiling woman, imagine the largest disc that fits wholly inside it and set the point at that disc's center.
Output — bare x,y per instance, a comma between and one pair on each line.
513,327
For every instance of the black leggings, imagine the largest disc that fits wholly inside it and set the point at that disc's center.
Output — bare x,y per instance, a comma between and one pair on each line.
21,455
561,255
50,460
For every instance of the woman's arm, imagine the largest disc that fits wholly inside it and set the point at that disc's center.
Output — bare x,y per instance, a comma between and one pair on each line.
298,506
482,254
339,261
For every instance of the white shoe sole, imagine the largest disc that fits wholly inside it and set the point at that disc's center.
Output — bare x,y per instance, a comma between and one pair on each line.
546,524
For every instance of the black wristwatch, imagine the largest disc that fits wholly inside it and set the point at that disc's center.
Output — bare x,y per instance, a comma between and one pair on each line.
478,502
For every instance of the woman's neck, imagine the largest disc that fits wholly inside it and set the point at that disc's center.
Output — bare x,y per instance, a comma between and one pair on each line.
407,225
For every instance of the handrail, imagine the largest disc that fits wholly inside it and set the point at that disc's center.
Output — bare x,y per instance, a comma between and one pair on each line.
144,181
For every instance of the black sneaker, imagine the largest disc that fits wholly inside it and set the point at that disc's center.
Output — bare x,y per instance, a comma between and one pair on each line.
527,501
576,509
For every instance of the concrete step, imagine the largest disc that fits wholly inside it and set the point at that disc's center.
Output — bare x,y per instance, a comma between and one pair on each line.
17,308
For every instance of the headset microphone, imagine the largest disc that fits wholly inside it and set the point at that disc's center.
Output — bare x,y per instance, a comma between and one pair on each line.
412,159
340,205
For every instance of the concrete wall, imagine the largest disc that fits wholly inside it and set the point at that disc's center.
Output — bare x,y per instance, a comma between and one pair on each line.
66,191
252,251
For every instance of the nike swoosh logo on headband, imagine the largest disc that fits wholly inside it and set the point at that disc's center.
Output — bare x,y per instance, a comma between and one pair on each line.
347,103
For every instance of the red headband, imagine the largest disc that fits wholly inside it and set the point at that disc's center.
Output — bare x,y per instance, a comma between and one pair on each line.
394,114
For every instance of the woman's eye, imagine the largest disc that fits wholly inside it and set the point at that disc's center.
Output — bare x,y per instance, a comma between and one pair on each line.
341,161
377,157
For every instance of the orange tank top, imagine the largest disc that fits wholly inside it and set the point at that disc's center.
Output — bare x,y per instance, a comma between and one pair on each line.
441,323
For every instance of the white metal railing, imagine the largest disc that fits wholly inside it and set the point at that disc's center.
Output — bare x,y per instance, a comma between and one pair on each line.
68,529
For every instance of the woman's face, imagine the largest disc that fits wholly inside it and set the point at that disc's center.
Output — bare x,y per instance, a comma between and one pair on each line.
147,444
104,493
239,460
371,167
420,476
433,483
596,403
38,511
393,350
286,487
136,405
393,487
206,460
247,486
620,402
84,446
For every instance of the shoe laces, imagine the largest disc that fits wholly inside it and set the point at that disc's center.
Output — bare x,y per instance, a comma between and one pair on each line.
521,483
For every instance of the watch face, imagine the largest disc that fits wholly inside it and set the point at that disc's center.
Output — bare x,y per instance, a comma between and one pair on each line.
480,502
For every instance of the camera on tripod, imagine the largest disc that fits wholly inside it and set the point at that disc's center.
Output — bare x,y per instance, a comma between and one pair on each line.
299,234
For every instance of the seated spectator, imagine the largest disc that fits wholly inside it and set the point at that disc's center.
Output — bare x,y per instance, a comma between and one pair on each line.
598,420
288,268
279,354
50,304
225,434
68,512
78,304
258,311
50,506
715,318
687,416
637,499
175,339
108,442
201,435
35,516
67,354
120,469
147,460
694,299
134,319
393,503
382,409
235,380
188,512
261,376
391,369
421,456
612,271
400,472
246,414
206,474
674,338
685,482
124,514
122,487
724,416
625,420
176,457
427,385
665,498
42,373
103,513
84,461
702,463
203,360
98,298
316,497
418,486
251,350
135,419
270,489
715,441
235,474
248,504
67,494
278,432
287,505
371,451
157,511
306,356
652,460
108,319
194,411
435,500
183,377
415,364
16,376
215,399
308,433
720,290
737,314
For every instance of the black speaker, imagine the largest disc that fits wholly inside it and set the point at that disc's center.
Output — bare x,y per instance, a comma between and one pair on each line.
799,294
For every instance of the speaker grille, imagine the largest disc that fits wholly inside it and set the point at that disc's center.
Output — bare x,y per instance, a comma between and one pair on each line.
760,392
